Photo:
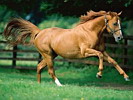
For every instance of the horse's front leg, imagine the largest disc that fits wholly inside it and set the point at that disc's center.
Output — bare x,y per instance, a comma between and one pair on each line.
112,61
91,52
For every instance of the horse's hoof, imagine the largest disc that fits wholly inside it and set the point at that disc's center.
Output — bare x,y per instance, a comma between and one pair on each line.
127,79
98,76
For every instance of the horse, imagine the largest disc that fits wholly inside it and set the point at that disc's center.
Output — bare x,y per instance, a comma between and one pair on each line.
84,40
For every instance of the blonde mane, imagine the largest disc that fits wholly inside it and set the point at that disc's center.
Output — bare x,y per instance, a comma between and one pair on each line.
91,15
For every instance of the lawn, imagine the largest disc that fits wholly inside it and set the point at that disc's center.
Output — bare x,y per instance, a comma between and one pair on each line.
79,84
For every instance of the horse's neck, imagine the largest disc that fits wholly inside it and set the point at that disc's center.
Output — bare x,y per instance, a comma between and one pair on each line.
96,26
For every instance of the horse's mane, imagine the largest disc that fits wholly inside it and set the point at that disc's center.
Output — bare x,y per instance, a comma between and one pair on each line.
91,15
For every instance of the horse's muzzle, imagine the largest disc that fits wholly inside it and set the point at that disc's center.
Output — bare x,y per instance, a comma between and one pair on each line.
118,38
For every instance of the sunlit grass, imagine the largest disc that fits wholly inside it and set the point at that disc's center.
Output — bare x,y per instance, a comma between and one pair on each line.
5,62
79,84
27,63
19,63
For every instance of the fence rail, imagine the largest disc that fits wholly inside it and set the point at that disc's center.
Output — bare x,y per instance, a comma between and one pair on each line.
125,54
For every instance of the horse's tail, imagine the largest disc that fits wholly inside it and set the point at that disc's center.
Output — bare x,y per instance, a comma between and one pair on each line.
19,30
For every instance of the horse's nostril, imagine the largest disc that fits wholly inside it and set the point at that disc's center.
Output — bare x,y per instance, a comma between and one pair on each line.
119,38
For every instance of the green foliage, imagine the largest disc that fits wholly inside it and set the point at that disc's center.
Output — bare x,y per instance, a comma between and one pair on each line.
5,15
77,7
127,26
79,84
57,20
67,7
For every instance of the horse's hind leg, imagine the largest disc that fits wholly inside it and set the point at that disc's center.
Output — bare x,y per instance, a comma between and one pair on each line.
51,70
40,66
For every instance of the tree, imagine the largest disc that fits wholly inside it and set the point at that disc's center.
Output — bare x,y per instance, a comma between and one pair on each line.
38,8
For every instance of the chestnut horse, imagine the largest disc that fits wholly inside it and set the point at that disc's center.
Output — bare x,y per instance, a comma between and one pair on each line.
84,40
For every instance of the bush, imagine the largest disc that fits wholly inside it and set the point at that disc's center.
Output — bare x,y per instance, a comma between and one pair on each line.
57,20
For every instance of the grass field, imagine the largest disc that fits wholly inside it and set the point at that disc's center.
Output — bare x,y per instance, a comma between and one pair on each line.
79,84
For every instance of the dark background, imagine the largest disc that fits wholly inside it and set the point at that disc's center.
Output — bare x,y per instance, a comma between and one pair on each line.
38,9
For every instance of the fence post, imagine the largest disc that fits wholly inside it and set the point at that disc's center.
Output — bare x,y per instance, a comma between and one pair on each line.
14,56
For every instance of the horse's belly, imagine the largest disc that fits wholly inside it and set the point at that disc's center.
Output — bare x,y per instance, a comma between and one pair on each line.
69,52
71,55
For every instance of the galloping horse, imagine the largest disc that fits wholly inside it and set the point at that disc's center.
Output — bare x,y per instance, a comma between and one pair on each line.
84,40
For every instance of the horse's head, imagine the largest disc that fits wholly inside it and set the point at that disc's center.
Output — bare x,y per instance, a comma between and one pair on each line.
113,25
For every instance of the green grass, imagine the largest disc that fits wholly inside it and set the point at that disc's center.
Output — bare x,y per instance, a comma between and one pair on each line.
19,63
79,84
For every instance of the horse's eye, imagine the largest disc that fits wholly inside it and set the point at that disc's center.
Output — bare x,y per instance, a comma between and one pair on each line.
115,24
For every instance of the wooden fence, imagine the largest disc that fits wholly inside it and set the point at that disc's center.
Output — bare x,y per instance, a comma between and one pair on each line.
123,53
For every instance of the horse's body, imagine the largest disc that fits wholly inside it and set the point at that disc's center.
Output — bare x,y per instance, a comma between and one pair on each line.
69,43
85,40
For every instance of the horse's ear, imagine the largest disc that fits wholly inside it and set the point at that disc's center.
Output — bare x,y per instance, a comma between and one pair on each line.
109,13
119,13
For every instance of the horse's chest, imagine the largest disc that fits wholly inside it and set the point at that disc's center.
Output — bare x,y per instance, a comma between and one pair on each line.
100,46
97,44
93,42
